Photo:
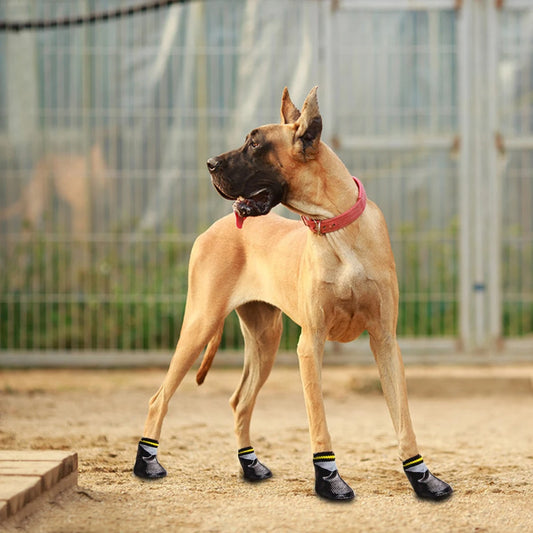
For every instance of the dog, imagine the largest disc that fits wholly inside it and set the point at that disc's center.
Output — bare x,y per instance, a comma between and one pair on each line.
69,177
334,275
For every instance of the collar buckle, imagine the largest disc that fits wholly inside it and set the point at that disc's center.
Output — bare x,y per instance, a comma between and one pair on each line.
321,227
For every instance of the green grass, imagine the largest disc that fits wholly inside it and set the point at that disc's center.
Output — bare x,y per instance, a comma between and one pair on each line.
129,294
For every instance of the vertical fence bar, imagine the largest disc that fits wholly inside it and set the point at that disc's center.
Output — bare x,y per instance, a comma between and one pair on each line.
479,196
198,14
494,177
328,19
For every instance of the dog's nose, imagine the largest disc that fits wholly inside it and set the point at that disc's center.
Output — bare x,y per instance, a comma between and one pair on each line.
213,163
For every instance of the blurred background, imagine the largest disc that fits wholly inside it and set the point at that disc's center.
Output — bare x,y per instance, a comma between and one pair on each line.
105,128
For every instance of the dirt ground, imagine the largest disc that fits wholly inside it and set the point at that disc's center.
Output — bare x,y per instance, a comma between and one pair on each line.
478,441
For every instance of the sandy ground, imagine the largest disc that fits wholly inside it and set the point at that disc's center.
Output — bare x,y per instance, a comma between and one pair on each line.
479,442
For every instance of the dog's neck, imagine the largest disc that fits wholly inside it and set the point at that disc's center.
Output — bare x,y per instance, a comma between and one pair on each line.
327,198
324,226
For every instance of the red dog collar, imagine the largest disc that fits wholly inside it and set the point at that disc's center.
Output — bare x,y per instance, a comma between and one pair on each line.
321,227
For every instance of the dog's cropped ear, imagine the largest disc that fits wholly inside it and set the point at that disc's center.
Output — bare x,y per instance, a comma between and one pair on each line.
289,112
309,125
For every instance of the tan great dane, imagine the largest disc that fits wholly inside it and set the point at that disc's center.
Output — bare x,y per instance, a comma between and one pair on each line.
69,177
334,275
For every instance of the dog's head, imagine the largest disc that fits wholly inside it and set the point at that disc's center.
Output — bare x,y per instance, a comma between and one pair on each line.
258,175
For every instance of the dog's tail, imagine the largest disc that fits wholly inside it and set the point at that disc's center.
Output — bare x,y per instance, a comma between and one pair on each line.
209,355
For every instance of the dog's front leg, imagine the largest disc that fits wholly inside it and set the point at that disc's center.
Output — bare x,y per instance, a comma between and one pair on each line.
392,375
310,354
391,370
328,482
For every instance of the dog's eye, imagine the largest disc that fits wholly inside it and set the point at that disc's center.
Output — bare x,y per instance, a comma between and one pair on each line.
254,144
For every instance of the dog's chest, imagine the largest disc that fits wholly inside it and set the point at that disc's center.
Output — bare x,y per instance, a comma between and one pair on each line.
348,299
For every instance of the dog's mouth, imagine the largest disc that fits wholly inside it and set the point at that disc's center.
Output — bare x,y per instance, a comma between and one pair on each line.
257,204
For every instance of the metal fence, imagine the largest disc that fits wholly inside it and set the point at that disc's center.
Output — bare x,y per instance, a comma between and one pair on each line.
105,129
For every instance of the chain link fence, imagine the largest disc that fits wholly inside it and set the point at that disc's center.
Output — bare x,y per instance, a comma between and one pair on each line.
105,129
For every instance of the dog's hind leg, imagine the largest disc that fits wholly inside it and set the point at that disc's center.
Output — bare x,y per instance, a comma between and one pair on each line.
208,304
261,326
193,338
391,370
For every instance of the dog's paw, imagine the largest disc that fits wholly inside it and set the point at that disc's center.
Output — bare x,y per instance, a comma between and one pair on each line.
331,486
429,487
148,467
255,470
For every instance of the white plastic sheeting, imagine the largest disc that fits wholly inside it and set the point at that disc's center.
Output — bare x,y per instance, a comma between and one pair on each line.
105,130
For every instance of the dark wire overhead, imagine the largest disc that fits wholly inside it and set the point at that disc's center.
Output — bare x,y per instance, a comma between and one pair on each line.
90,18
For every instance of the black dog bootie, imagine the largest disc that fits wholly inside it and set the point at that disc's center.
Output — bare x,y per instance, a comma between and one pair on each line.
252,468
146,464
424,483
328,482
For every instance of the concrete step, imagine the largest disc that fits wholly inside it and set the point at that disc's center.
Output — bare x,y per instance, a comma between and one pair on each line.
28,476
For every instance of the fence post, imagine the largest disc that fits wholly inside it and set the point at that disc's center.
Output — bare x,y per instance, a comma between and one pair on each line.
479,178
464,174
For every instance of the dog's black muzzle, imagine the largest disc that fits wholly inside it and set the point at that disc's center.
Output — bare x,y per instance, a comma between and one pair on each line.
214,165
255,189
